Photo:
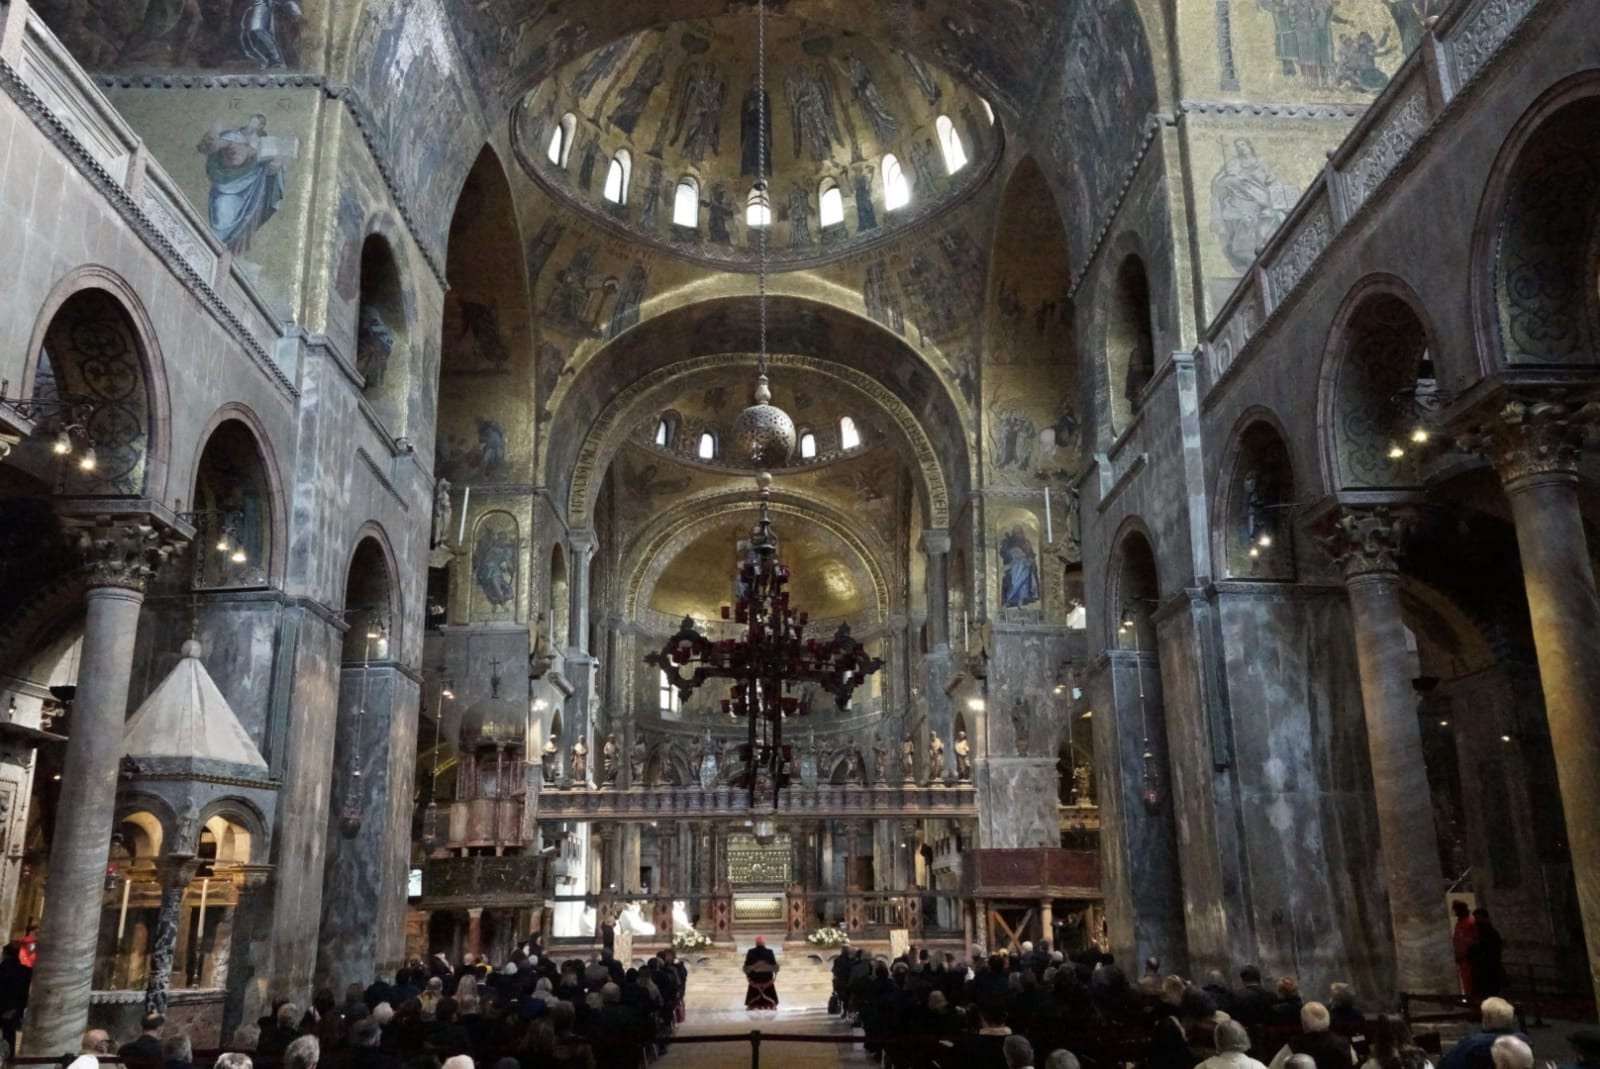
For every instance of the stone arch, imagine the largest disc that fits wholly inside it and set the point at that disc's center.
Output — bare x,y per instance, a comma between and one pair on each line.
249,818
1536,279
1376,370
154,818
609,430
385,309
234,471
372,598
94,339
1253,512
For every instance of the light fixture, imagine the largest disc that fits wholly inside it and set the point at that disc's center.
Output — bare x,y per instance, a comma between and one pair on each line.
1420,435
238,556
1395,452
975,704
1444,723
87,462
63,443
222,544
1255,551
1505,738
1265,541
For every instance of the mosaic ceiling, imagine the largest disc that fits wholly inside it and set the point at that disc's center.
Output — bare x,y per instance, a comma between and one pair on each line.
679,108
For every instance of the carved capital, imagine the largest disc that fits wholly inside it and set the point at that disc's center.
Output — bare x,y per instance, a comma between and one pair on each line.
935,542
1365,540
1524,437
176,871
122,552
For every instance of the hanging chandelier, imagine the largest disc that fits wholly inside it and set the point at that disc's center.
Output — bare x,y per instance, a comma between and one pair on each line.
773,653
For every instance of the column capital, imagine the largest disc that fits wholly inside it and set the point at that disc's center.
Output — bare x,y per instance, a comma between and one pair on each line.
935,542
1364,539
121,552
176,871
1526,436
583,540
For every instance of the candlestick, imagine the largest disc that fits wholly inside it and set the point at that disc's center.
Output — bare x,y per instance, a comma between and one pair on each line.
1049,531
466,496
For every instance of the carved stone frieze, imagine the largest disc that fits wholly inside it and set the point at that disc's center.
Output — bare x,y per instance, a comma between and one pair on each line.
1365,540
1522,438
1386,147
1479,36
1310,238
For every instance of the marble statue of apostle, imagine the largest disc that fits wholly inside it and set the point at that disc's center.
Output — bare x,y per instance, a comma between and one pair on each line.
963,757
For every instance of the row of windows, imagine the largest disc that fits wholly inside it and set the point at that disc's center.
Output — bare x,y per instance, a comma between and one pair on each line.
758,207
706,446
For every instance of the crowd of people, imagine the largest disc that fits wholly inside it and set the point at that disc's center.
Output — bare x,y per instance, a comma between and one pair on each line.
1036,1006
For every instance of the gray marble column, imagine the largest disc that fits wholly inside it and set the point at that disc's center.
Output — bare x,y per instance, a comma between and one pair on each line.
121,557
1535,446
174,874
1366,542
936,548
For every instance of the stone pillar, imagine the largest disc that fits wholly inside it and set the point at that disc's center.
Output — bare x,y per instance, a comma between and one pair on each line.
580,546
1365,541
173,873
121,557
936,548
1535,446
632,854
475,931
1047,920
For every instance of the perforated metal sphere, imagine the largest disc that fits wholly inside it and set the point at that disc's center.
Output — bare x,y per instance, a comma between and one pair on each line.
764,435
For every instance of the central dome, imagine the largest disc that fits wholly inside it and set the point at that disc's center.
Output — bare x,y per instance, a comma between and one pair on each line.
656,135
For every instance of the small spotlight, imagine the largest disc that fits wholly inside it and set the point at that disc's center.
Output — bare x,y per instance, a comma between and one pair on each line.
1264,541
975,704
1444,723
222,544
87,462
448,694
1420,436
62,445
1505,738
1395,452
239,556
1254,552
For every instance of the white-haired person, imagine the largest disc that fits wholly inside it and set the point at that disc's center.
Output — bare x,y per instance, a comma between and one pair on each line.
1509,1052
303,1053
1498,1018
1233,1043
1326,1048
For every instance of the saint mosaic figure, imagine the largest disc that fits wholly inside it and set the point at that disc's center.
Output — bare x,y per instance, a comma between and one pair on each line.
246,171
1019,570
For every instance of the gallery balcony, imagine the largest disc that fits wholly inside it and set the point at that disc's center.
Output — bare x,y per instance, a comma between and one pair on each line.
906,801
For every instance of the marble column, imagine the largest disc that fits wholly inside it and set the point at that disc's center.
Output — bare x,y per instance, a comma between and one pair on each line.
1366,541
1047,920
1535,446
936,550
121,557
173,873
475,931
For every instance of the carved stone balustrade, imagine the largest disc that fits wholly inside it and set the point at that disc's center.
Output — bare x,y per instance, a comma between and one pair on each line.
907,801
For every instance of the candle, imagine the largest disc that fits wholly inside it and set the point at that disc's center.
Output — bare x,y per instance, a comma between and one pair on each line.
1049,531
466,496
966,639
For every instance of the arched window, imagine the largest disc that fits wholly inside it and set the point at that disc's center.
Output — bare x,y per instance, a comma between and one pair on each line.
686,203
896,187
561,139
832,203
616,190
849,437
663,433
669,694
808,446
955,154
758,209
707,449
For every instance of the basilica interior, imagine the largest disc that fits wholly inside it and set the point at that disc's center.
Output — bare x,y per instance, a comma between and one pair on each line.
1188,411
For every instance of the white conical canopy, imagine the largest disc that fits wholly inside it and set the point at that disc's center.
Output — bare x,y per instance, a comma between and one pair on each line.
187,717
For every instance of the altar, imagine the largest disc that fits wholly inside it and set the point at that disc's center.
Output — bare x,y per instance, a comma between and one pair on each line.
759,875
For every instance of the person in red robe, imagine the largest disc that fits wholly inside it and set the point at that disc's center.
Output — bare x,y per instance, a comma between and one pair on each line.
1463,939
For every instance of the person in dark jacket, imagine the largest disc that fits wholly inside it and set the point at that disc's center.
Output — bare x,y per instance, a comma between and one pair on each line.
1484,957
15,977
1252,1003
1473,1051
277,1034
145,1051
366,1052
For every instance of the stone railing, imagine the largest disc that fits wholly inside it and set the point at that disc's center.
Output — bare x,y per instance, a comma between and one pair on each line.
484,881
692,803
62,100
1464,40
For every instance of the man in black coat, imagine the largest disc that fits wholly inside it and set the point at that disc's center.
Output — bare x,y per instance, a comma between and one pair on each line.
760,966
145,1051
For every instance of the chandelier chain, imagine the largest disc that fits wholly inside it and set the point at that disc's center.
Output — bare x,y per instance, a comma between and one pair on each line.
764,194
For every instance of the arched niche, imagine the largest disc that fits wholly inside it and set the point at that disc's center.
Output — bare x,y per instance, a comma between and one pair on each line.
1255,524
234,499
369,605
1130,354
1379,369
383,357
142,836
1547,198
225,839
1018,540
93,376
1135,594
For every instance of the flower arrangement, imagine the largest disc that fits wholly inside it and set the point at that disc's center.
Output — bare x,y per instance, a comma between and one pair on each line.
689,939
828,937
